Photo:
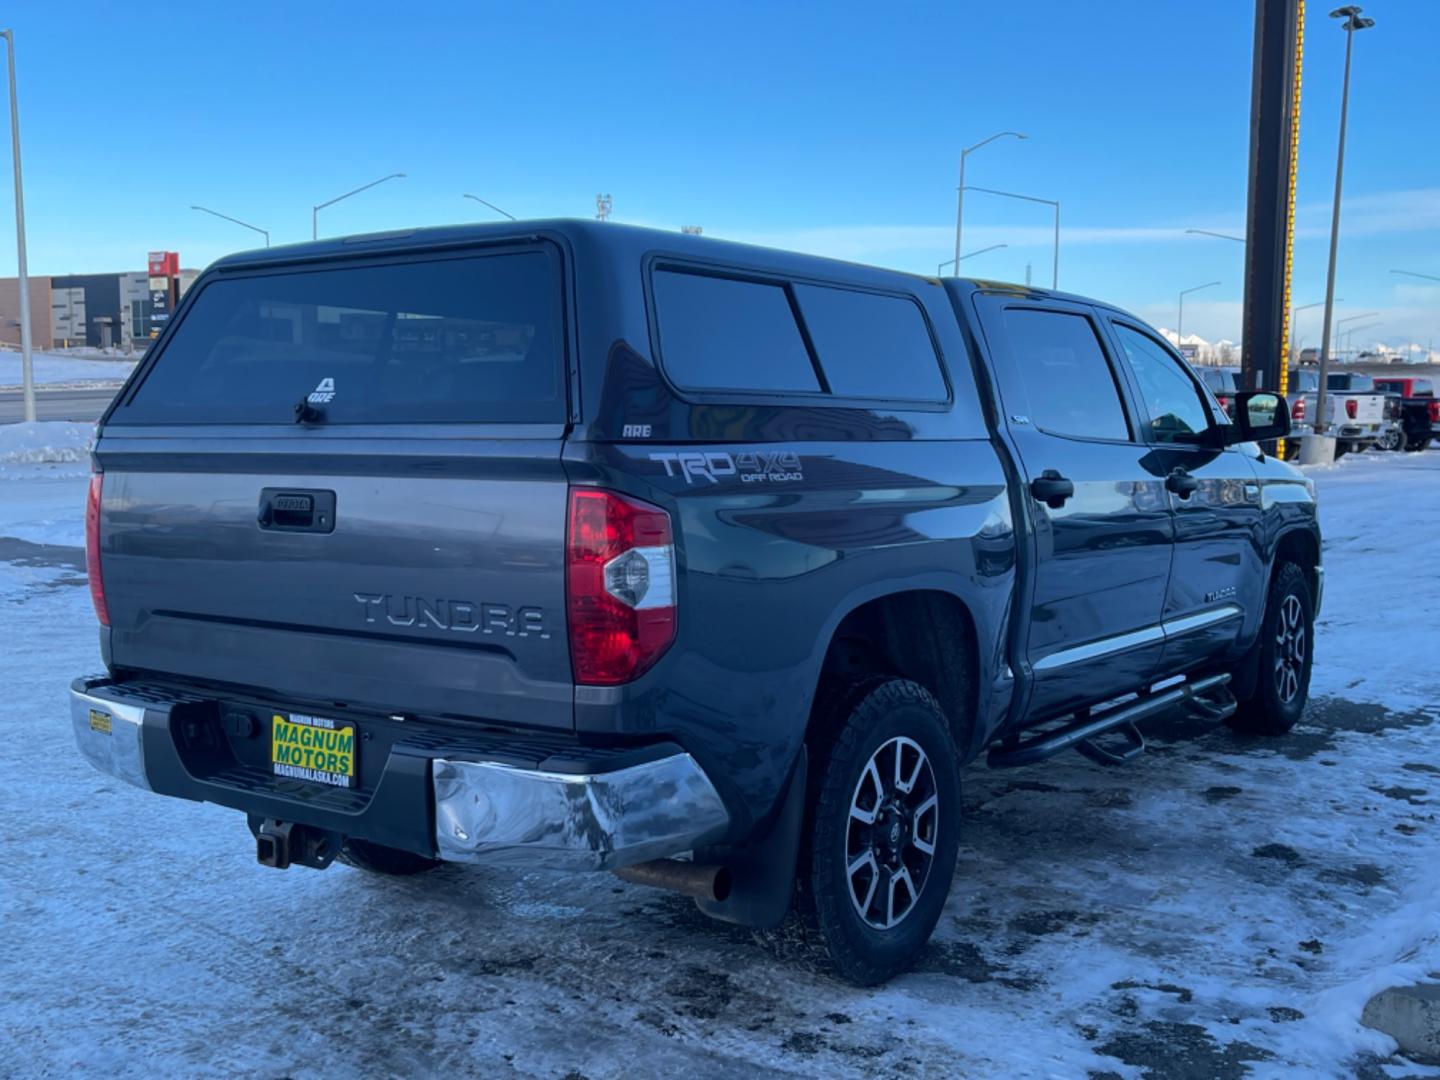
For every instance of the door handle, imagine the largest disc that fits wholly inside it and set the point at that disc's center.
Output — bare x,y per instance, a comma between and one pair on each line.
291,510
1182,483
1052,489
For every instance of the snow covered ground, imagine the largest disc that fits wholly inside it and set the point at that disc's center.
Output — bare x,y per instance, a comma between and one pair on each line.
1222,907
58,369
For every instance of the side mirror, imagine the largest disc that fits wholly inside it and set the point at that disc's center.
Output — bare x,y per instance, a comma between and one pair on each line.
1259,416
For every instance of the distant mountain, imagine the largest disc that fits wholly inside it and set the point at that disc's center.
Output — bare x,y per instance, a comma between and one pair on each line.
1225,351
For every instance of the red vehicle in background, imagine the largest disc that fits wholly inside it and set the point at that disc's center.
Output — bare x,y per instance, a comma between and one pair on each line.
1416,410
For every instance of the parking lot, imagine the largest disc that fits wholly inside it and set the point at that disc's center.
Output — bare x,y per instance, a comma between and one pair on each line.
1221,905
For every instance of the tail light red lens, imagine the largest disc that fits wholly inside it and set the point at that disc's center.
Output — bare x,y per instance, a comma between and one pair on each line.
1352,408
1435,411
1224,400
1297,411
92,549
620,584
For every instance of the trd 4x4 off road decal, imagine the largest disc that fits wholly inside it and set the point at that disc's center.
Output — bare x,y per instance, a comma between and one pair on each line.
758,466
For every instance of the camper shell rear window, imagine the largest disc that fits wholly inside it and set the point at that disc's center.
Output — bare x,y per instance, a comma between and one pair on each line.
464,338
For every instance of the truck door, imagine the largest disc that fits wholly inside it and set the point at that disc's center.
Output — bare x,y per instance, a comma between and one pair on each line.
1102,526
1217,574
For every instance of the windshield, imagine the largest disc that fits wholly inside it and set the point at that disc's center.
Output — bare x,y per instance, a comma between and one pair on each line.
454,340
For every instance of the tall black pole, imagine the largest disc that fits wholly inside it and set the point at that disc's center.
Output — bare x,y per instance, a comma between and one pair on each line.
1274,135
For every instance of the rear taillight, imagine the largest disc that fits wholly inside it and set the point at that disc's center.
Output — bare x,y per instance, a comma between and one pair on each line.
620,584
1435,411
1224,403
1297,411
1352,408
92,549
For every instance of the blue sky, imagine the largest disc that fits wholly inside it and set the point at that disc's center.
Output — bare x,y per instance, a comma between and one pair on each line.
830,127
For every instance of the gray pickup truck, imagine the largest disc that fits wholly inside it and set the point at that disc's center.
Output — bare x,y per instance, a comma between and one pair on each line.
572,545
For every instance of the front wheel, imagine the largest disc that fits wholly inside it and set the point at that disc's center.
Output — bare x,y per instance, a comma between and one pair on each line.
885,815
1285,646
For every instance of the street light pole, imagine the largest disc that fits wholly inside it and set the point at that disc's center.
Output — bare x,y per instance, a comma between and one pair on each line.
1412,273
1180,315
315,210
243,224
491,205
1347,338
951,262
1217,235
1295,311
960,194
27,364
1353,22
1055,203
1349,318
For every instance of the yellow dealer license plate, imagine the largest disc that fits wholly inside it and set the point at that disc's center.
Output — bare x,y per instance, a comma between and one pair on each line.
312,748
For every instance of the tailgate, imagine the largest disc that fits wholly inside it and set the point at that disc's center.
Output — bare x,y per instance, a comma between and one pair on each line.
387,550
1369,408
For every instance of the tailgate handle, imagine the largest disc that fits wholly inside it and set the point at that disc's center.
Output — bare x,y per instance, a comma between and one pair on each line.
291,510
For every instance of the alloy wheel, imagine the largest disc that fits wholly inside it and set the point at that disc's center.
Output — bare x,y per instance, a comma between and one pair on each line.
1289,649
892,833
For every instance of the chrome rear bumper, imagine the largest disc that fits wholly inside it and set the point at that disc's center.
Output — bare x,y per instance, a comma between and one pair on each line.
659,804
485,812
109,733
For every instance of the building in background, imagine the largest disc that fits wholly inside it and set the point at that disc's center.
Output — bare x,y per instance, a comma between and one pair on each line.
88,306
40,312
99,311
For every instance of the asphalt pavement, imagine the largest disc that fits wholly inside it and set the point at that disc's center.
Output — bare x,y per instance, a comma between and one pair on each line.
82,404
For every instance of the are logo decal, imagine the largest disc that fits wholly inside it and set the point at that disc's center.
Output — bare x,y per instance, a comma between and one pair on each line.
752,467
324,393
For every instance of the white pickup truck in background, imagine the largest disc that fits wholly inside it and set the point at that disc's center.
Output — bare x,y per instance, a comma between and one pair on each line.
1355,412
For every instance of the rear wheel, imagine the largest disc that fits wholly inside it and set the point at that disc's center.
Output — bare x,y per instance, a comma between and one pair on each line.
1418,442
875,870
1394,439
378,859
1285,649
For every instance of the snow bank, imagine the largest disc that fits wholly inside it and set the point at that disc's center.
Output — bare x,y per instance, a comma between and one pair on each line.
46,442
52,369
52,458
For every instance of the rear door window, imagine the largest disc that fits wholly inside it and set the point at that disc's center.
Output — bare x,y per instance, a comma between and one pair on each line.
871,345
447,340
721,333
1069,383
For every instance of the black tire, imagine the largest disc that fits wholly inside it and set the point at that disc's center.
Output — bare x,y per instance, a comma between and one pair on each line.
872,722
1341,449
1393,440
1417,443
1286,653
378,859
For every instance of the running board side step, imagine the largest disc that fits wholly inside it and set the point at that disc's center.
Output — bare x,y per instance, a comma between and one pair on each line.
1077,735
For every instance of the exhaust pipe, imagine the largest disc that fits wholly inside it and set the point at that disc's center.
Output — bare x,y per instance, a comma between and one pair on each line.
696,880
